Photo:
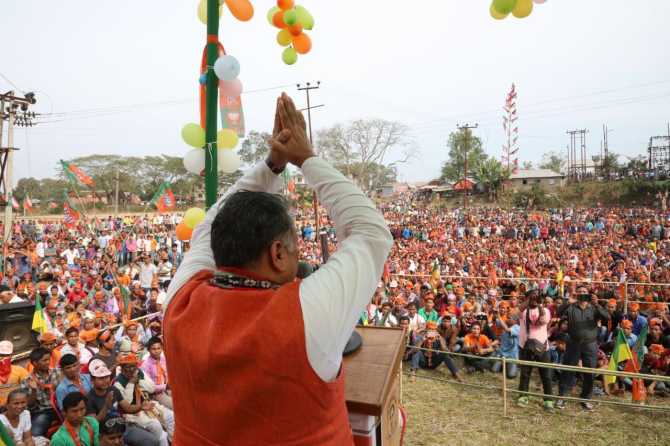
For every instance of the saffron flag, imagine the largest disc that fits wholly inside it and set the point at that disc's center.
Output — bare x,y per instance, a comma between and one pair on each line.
70,215
163,199
39,319
620,353
15,204
75,174
27,204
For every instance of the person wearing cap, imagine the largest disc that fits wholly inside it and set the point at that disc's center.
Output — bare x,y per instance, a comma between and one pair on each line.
431,352
77,429
656,335
639,321
40,385
73,380
626,327
133,385
105,400
243,261
10,375
583,314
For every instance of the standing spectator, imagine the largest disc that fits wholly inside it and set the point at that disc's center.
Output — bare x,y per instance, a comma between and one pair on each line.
509,344
583,315
534,344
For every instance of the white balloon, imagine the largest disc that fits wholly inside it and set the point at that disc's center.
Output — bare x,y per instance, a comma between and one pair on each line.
227,68
194,161
228,160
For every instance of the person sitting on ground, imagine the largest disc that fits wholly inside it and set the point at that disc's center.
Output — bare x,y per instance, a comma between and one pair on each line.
155,367
10,375
428,312
40,386
135,387
431,352
386,318
77,429
105,401
107,350
73,380
16,420
478,344
75,347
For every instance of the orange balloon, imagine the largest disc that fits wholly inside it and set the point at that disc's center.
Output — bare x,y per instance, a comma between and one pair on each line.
302,43
285,4
241,9
278,20
184,232
296,29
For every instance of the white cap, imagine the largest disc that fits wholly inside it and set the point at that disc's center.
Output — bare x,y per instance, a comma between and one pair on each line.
394,284
6,348
98,369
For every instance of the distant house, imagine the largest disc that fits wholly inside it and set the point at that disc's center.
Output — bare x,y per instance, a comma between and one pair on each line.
527,178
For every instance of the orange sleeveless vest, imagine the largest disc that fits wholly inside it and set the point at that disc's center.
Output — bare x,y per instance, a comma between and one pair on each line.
239,371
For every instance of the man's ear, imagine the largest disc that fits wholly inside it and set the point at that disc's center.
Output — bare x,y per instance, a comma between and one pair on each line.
277,255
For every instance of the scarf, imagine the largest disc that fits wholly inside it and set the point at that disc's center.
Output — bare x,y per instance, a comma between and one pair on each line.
75,435
161,376
5,369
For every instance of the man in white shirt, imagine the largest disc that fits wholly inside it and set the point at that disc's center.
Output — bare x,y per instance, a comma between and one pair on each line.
148,272
250,240
70,254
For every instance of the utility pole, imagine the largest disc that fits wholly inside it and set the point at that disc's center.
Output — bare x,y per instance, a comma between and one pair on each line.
466,129
315,201
22,118
116,195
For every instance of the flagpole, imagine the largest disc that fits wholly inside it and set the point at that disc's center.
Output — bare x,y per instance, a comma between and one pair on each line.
211,170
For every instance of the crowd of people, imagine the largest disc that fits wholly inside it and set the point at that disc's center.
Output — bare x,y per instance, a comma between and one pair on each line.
553,286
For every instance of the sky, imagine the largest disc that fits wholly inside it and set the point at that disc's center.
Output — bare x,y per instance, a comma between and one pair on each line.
431,64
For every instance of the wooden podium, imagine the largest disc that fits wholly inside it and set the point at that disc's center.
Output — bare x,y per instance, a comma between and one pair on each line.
372,387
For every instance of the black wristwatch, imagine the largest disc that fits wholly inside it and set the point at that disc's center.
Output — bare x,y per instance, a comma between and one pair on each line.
273,167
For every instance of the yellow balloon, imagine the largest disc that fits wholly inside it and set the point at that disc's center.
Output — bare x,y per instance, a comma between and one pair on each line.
522,9
193,217
496,15
202,11
227,139
284,37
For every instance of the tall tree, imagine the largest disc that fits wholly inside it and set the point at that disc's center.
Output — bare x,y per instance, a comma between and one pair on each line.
553,161
255,147
360,149
491,174
460,142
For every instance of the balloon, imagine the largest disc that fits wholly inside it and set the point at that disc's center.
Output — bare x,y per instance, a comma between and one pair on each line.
227,139
278,19
203,79
290,56
504,6
229,161
302,43
271,13
232,89
193,217
285,4
284,37
296,29
194,161
184,232
539,2
496,15
227,68
202,11
290,17
304,18
522,9
193,135
243,10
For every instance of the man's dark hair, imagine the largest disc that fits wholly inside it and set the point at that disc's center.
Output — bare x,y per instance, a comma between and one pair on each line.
246,225
403,318
67,360
73,399
37,354
154,340
71,330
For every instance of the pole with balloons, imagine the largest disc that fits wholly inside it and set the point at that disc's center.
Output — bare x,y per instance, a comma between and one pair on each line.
520,9
214,151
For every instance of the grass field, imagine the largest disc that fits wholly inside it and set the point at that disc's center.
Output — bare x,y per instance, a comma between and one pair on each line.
442,413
